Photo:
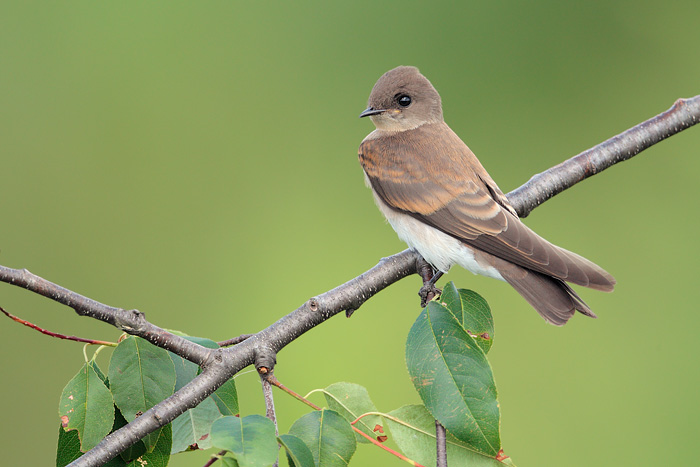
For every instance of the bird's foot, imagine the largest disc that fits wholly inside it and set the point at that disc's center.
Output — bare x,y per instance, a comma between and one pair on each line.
427,293
430,277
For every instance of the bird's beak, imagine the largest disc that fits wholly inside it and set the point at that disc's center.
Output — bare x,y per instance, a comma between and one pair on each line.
371,111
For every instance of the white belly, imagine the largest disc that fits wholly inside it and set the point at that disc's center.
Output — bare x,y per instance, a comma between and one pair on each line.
438,248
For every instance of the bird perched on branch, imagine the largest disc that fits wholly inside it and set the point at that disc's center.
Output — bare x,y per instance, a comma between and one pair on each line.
441,201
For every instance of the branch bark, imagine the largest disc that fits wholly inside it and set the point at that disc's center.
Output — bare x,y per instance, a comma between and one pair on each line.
683,114
260,349
440,445
130,321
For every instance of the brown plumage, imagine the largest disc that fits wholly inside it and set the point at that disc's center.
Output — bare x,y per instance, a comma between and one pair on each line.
441,201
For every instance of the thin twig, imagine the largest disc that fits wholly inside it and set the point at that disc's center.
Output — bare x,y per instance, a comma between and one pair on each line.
269,400
440,444
386,448
269,403
215,458
275,382
234,340
55,334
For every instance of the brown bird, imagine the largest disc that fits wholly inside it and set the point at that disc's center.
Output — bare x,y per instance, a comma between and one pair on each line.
441,201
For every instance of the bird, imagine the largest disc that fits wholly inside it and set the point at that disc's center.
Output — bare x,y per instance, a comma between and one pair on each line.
441,202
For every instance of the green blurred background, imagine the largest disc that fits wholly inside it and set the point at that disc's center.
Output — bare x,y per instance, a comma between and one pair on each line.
197,161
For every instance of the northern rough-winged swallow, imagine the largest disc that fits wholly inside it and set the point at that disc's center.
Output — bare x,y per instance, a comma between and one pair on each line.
441,201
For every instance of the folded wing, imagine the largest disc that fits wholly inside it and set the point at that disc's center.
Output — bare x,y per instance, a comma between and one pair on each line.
466,203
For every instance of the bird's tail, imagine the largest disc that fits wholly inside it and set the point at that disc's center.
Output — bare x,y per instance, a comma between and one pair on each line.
553,299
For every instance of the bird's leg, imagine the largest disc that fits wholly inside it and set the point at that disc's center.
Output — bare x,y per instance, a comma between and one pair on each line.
430,276
436,276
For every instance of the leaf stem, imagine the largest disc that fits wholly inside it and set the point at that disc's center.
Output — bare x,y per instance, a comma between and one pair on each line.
215,457
386,448
275,382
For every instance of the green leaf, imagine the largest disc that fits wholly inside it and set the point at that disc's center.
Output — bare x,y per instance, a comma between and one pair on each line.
453,378
160,455
193,427
416,439
226,398
472,312
185,370
134,451
98,372
251,440
352,400
229,462
328,436
134,456
298,454
140,375
68,450
87,406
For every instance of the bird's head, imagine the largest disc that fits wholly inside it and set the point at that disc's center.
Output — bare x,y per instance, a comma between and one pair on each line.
403,99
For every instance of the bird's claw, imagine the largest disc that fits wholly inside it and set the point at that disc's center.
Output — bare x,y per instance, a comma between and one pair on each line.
427,293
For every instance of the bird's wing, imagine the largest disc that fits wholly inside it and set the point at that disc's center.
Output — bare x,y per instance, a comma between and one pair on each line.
445,186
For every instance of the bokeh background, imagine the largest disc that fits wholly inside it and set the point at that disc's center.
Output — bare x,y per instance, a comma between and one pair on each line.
197,161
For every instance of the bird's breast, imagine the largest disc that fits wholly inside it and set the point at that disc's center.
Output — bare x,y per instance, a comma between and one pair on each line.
442,251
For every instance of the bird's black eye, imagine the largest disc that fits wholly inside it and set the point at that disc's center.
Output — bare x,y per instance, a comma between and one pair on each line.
404,100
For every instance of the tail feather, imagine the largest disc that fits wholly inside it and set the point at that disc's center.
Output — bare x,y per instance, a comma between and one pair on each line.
520,245
553,299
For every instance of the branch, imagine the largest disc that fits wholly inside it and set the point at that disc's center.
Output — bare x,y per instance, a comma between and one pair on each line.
683,114
269,399
440,444
261,349
234,340
130,321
